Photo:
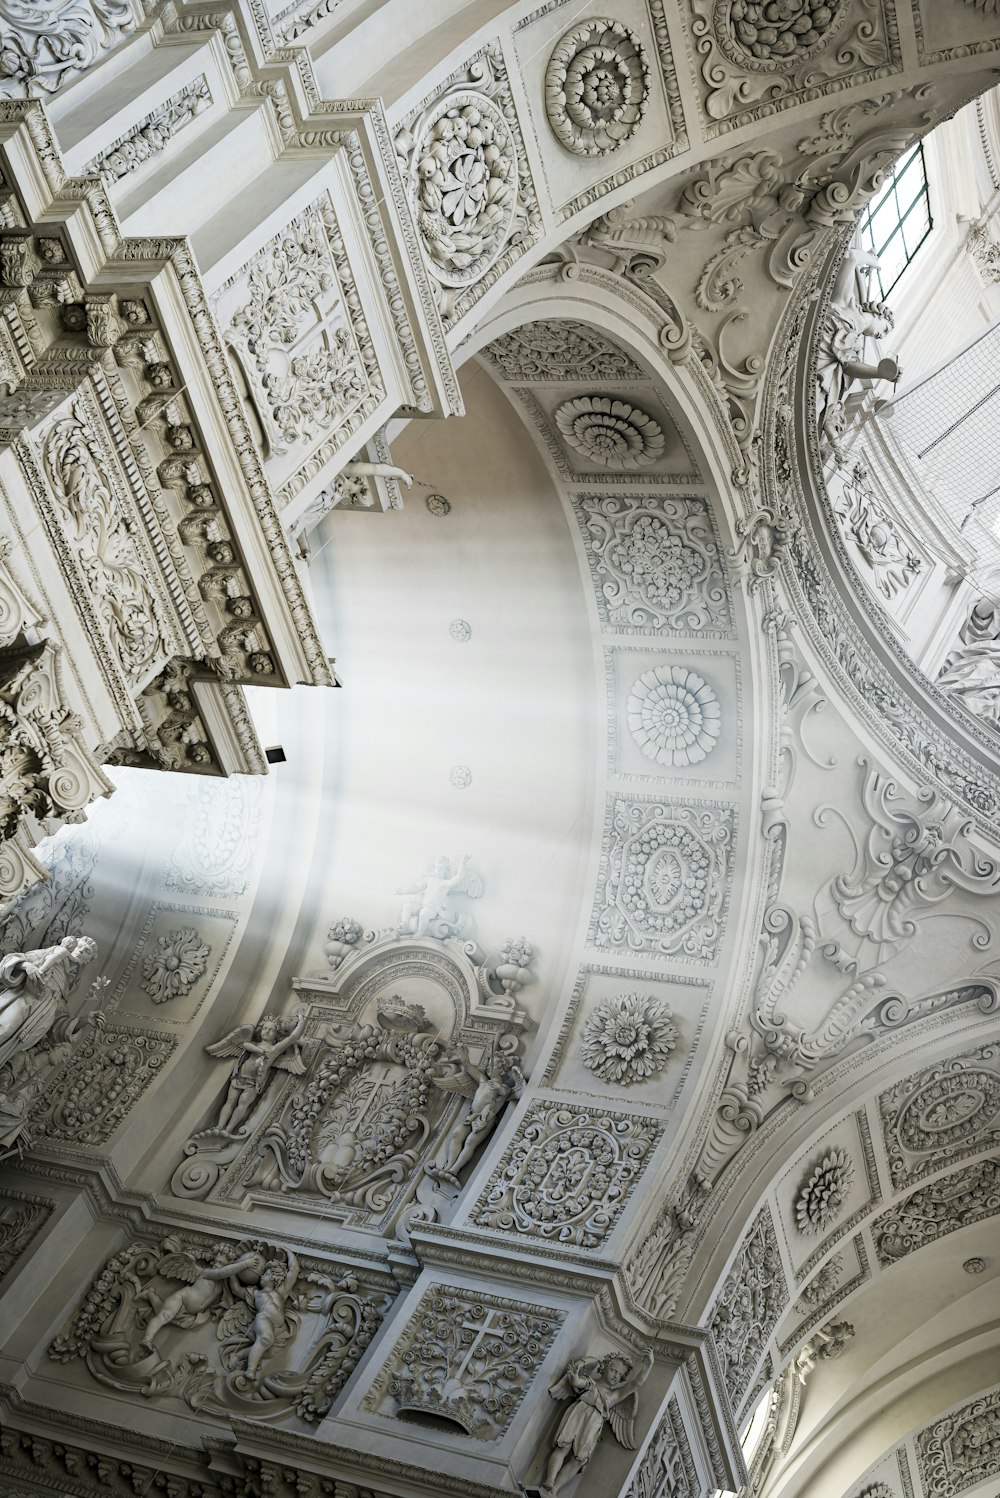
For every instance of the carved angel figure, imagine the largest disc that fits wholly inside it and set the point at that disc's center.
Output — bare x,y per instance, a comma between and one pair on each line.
429,910
201,1288
33,989
268,1300
603,1391
259,1052
488,1093
853,320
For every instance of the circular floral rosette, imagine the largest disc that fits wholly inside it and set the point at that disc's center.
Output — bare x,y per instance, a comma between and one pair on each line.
674,716
822,1196
596,88
628,1038
611,433
463,167
774,36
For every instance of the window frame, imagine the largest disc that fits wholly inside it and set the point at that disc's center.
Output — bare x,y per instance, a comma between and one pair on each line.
912,159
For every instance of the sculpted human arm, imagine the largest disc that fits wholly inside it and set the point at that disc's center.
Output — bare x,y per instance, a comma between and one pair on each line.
638,1376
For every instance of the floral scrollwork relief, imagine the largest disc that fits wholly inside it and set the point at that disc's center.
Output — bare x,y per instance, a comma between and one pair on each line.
748,1306
674,715
665,878
941,1114
44,44
823,1283
962,1449
656,564
629,1038
466,1358
966,1196
174,966
823,1193
667,1468
567,1175
596,87
612,433
223,1326
560,350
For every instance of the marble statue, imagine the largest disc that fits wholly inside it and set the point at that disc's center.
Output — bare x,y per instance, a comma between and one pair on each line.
33,989
488,1092
604,1392
972,672
259,1052
429,911
853,318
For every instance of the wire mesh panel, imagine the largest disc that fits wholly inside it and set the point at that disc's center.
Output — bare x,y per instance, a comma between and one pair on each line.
948,428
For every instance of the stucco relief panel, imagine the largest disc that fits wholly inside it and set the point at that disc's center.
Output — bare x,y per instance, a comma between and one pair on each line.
568,1174
826,1192
603,98
843,1272
748,1306
22,1218
295,325
665,877
174,962
955,30
629,1035
966,1196
752,58
674,715
656,565
941,1115
610,433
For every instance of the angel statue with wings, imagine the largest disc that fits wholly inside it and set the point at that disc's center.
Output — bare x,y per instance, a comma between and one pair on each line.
261,1318
259,1052
201,1288
429,911
603,1391
488,1092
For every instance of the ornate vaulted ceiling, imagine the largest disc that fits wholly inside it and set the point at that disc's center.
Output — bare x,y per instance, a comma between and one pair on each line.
606,969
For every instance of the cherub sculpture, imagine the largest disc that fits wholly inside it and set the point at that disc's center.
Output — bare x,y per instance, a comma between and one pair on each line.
259,1052
604,1392
488,1092
429,910
269,1301
201,1288
33,990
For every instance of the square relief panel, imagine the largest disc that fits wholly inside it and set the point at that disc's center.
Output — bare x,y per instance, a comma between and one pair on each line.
839,1276
629,1036
610,433
753,58
602,94
673,715
174,962
827,1193
655,564
665,876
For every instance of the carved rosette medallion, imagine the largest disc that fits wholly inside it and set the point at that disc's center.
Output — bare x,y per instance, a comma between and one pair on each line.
614,434
596,87
656,564
772,36
180,958
944,1112
666,876
567,1175
823,1194
629,1038
465,1358
674,716
465,164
